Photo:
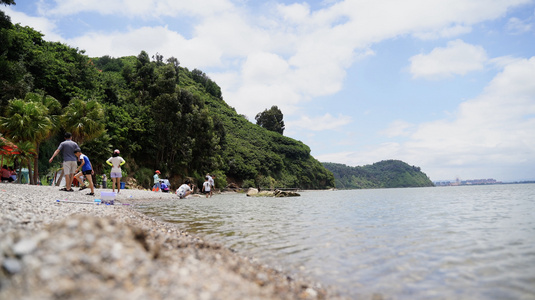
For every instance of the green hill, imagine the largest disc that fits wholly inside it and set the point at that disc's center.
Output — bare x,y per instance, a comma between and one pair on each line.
159,114
383,174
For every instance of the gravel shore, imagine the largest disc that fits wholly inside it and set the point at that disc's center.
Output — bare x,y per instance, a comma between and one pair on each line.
52,250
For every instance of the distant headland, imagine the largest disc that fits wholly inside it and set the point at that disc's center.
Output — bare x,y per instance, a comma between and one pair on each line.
383,174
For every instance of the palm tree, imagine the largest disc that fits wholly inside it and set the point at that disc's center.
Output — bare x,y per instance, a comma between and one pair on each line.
85,120
26,152
27,120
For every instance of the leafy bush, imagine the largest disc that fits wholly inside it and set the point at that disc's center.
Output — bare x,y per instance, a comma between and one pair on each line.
144,177
248,183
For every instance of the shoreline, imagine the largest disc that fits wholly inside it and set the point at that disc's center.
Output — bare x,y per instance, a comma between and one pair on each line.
72,250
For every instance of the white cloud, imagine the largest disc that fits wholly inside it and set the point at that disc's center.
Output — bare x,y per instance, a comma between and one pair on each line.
491,135
267,67
448,32
458,58
295,13
314,48
137,8
517,26
152,40
325,122
398,128
41,24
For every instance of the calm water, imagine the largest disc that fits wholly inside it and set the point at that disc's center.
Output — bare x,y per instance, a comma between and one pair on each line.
470,242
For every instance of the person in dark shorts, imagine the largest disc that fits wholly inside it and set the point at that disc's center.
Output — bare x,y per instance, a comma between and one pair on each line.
206,188
86,169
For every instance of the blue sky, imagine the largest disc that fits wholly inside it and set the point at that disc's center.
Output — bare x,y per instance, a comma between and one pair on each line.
448,86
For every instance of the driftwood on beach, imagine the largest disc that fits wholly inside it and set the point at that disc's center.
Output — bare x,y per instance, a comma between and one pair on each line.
52,250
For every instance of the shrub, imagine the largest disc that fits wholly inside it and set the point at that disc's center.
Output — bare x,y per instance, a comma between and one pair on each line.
144,177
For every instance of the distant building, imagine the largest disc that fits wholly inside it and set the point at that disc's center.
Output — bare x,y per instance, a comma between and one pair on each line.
458,182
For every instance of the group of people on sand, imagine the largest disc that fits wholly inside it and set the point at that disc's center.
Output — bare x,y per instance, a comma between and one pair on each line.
72,154
8,174
188,187
160,184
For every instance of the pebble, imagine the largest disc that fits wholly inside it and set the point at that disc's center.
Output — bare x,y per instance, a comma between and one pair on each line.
12,265
24,247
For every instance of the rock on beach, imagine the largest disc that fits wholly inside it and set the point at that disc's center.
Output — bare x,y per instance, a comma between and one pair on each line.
52,250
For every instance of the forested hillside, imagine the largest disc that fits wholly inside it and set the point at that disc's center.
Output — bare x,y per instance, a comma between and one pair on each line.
159,114
383,174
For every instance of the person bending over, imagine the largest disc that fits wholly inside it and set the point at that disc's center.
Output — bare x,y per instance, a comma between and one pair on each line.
86,169
185,190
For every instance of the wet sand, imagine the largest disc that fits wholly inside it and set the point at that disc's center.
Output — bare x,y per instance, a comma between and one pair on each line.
52,250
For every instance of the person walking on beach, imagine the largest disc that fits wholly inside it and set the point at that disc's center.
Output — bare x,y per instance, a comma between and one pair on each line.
206,188
116,161
86,169
185,189
157,186
212,184
67,147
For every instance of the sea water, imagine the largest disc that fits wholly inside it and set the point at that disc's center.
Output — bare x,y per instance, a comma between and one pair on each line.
467,242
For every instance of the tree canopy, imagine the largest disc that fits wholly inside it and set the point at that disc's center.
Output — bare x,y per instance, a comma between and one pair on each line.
271,119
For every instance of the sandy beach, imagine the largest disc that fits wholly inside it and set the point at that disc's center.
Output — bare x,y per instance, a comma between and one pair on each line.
61,250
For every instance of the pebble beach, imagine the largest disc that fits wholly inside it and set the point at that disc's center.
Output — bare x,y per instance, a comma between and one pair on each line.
69,250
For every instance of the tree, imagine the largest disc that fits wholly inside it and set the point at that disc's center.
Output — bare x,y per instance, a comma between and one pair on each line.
27,120
271,119
8,2
83,119
26,151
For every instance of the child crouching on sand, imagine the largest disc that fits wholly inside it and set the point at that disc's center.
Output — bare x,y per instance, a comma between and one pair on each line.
184,190
87,170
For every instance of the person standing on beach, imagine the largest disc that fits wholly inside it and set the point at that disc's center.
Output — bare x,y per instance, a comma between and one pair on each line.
115,161
87,170
206,188
212,183
67,147
157,186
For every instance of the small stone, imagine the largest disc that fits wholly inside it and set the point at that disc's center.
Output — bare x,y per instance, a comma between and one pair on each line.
312,293
24,247
12,266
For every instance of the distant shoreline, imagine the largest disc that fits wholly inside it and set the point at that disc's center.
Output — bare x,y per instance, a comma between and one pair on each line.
453,183
72,250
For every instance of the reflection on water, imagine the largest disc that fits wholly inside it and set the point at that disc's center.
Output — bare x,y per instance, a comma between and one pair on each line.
445,242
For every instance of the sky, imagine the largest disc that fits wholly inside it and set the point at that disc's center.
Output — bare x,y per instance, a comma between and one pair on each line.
445,85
